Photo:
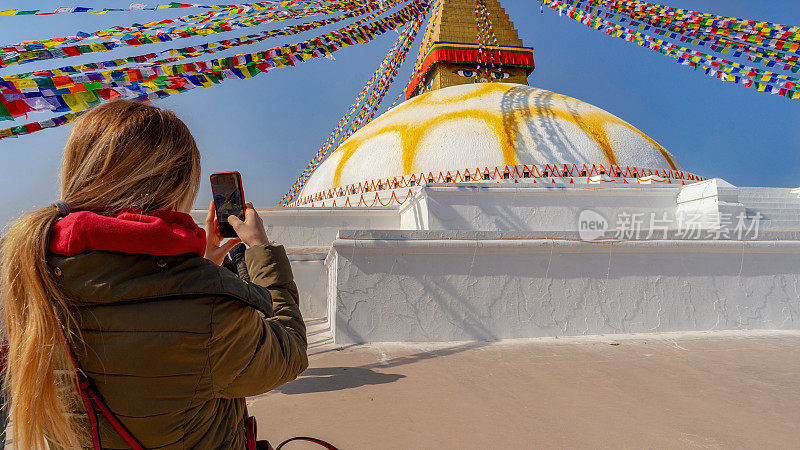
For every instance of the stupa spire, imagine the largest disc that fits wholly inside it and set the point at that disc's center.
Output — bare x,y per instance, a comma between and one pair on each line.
450,52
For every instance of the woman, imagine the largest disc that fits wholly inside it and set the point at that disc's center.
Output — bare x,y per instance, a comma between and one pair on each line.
173,341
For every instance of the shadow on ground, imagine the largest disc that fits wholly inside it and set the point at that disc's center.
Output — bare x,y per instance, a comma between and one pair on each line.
324,379
327,379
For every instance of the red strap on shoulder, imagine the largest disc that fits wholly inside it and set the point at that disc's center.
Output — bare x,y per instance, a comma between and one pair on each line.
92,398
95,430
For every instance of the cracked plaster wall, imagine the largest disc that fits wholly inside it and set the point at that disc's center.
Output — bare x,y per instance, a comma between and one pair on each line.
473,291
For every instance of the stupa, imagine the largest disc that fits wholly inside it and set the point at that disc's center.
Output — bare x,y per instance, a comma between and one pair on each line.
470,117
484,208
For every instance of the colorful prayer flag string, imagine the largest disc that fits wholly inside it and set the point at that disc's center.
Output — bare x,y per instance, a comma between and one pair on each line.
719,40
30,51
720,68
133,7
146,60
68,94
365,105
578,6
697,20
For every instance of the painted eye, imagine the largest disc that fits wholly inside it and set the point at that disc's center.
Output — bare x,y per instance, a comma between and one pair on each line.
465,73
501,75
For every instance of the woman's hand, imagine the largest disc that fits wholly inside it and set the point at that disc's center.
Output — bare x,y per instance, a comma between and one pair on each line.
215,250
251,231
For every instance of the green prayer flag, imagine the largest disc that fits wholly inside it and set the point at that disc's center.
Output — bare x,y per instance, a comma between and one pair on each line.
4,114
45,82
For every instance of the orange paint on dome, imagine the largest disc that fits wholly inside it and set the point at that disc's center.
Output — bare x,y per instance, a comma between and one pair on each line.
493,121
593,123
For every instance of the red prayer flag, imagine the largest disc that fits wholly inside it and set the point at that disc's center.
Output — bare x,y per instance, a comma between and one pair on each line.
33,127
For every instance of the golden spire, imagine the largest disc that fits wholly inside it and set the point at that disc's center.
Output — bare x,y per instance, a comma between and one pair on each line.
449,53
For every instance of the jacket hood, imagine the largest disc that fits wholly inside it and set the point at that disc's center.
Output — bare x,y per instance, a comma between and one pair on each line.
159,233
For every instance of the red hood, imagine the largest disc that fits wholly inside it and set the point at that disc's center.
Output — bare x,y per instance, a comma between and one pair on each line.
159,233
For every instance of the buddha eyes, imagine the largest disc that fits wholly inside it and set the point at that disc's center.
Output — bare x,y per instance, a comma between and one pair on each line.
465,73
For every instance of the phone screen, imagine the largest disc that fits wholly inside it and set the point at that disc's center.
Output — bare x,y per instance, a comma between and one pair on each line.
228,201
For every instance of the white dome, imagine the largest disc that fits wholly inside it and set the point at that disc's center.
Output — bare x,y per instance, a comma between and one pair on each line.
486,125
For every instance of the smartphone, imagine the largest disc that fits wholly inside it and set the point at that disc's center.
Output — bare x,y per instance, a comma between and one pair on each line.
226,188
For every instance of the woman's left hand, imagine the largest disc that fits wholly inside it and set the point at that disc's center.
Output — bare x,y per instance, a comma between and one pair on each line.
215,249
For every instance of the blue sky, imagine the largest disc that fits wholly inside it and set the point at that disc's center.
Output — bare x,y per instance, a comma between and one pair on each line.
269,127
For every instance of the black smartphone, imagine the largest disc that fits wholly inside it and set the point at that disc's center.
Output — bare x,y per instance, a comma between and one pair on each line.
226,187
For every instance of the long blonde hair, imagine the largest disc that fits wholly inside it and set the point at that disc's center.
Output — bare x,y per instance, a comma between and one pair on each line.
120,155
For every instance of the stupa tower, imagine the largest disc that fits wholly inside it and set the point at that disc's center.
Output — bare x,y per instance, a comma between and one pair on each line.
451,53
470,116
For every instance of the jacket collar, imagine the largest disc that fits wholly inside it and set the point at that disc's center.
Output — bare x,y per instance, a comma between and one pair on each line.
101,278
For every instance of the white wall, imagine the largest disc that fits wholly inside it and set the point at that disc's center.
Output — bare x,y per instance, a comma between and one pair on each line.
307,235
317,227
527,207
311,277
462,289
492,261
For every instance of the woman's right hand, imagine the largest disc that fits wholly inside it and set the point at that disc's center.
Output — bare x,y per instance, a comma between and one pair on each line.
251,231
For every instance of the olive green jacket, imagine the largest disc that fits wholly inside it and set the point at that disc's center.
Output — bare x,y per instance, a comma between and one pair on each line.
174,344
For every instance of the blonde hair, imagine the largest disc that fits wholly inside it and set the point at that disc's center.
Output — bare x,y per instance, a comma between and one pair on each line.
120,155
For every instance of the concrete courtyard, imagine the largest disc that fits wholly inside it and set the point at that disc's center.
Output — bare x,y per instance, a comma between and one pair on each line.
673,390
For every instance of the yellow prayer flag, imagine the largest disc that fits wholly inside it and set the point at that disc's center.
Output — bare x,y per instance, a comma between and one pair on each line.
75,102
8,12
25,56
87,96
24,83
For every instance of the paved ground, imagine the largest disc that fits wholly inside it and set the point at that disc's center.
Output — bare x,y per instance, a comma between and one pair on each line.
712,390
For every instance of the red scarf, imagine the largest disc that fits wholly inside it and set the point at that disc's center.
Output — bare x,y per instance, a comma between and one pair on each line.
159,233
